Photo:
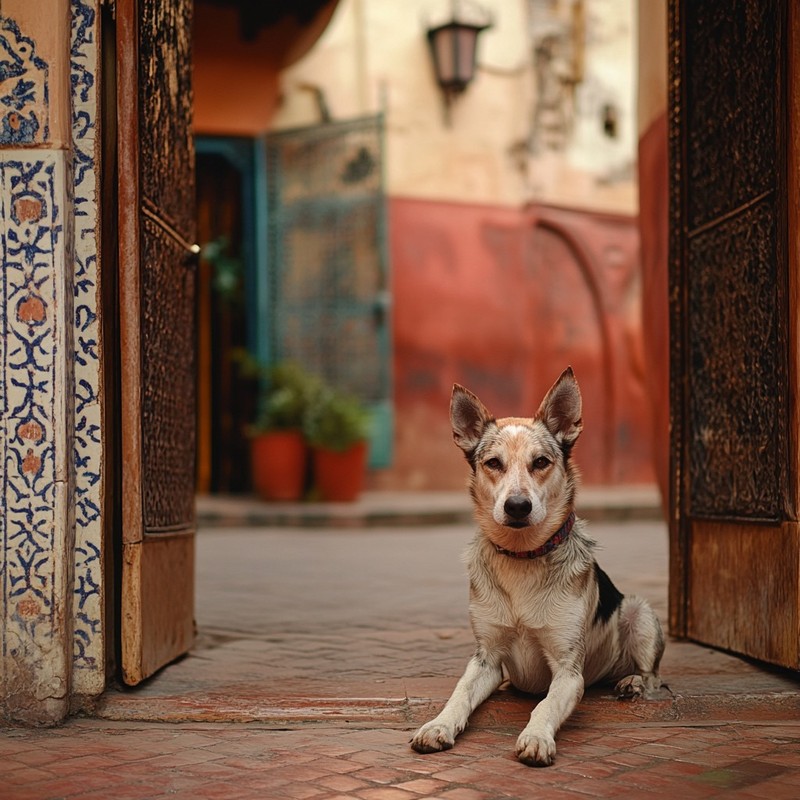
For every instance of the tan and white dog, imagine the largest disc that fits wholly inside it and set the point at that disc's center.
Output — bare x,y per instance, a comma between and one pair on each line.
545,616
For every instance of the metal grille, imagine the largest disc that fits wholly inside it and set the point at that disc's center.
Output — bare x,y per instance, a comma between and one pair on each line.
730,296
167,284
326,230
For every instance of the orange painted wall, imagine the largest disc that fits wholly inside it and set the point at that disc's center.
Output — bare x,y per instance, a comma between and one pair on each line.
236,85
502,300
237,81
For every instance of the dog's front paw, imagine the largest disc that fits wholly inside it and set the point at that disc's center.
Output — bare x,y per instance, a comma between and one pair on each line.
630,688
536,749
433,737
635,686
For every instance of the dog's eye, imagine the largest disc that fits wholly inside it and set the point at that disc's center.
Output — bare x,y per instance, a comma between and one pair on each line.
541,463
493,463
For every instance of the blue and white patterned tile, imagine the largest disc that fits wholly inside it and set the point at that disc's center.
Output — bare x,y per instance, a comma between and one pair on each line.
24,100
35,239
88,646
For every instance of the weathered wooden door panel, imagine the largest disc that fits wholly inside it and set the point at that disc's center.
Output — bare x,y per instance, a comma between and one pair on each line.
740,600
158,604
735,541
157,382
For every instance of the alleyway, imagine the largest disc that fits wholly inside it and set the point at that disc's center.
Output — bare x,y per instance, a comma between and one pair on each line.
321,649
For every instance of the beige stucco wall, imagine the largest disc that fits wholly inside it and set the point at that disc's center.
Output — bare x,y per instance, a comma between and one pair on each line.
374,56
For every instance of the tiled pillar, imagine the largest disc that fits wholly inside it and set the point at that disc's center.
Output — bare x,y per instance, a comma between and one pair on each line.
50,440
88,654
37,531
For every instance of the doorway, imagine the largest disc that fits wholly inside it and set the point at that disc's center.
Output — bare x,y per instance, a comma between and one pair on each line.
226,318
294,267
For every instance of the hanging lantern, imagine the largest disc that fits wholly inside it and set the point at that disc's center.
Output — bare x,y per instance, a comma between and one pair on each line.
453,49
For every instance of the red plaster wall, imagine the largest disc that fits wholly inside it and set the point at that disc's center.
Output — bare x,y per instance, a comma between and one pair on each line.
654,226
502,300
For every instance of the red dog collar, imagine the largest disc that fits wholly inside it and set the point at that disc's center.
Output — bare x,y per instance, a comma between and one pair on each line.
554,541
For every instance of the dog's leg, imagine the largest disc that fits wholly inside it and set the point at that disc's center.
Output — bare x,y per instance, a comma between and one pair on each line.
479,680
643,643
536,745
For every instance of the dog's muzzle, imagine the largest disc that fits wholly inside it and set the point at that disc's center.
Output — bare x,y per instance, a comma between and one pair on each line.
517,508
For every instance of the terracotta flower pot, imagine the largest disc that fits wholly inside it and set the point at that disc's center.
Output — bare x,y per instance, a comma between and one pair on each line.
279,465
339,477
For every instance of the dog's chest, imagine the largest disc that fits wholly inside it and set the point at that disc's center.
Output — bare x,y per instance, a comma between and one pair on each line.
521,600
525,615
518,630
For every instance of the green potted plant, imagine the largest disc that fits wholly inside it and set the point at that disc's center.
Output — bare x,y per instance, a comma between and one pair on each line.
336,428
278,450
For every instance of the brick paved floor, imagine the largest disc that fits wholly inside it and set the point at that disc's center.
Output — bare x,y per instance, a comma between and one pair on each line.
98,759
320,652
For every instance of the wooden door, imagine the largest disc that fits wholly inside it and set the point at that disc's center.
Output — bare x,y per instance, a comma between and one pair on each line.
156,290
735,536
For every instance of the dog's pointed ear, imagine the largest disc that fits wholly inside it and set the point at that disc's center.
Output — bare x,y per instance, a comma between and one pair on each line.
469,418
561,409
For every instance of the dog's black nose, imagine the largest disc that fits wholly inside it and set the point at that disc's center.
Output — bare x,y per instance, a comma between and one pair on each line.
517,506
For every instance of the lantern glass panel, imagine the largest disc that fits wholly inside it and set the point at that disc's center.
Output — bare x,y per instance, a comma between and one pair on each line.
444,56
464,51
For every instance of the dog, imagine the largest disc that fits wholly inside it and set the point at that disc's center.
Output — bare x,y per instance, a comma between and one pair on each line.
544,614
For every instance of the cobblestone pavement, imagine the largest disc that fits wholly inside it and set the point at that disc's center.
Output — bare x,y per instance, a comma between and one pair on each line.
320,651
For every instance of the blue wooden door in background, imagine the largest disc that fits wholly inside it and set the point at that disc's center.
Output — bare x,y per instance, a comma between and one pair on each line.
328,285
